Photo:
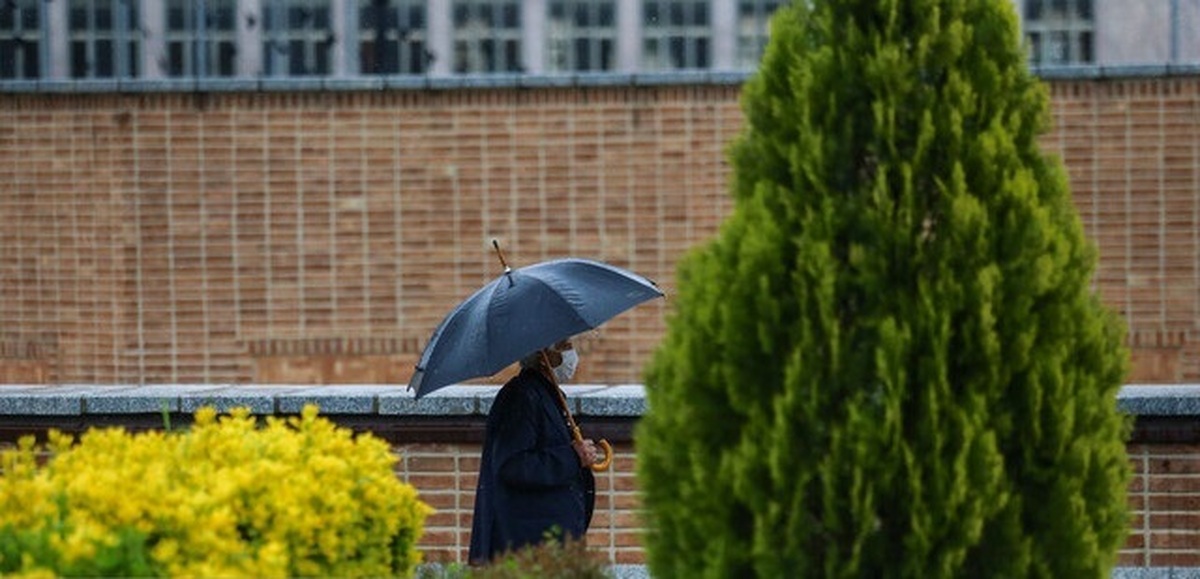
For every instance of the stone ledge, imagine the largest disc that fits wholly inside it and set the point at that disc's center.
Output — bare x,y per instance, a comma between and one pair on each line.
1160,400
362,400
1156,573
448,401
618,401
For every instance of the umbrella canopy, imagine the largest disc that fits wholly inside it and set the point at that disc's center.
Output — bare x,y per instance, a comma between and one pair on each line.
522,311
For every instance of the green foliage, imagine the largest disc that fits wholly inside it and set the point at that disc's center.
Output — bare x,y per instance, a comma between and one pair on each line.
229,497
551,559
889,363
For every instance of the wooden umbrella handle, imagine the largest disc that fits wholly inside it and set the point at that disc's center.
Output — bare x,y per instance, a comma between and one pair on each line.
578,436
575,432
608,457
603,463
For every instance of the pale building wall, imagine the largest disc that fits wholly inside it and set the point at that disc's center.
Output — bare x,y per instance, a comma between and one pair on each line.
1143,32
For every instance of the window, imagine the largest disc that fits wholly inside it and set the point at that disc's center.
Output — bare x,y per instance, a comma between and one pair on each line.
676,34
201,38
753,28
581,35
103,43
392,37
487,36
1059,31
118,39
297,37
20,39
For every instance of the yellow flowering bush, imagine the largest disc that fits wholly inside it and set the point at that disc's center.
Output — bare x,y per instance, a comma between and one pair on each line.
227,497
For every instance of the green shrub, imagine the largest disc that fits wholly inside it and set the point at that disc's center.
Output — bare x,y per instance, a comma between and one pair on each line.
552,559
890,361
296,497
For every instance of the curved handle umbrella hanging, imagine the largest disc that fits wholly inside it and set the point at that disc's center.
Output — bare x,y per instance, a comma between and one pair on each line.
601,464
576,433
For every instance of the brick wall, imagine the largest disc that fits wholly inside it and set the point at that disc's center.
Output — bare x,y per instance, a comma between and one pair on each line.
1164,499
1132,149
319,238
445,476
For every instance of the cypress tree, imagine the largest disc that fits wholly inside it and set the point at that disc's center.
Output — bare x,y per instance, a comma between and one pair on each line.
889,362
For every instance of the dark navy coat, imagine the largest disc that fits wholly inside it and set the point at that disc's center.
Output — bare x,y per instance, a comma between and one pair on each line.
530,479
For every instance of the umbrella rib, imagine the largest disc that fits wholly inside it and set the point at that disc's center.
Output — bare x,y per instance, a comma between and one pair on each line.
571,308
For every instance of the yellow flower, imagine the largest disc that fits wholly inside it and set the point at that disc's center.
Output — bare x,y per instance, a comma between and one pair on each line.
205,415
227,497
165,550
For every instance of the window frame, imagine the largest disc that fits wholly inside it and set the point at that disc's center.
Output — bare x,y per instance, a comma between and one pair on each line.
753,30
565,36
676,45
206,49
281,43
405,49
121,35
1074,25
25,34
486,48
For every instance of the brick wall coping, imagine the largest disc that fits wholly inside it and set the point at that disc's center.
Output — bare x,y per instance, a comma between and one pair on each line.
620,401
486,81
1180,400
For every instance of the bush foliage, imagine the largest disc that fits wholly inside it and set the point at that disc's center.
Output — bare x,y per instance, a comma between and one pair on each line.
228,497
890,361
553,558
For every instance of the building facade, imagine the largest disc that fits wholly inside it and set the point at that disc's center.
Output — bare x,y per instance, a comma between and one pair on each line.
295,190
319,237
157,39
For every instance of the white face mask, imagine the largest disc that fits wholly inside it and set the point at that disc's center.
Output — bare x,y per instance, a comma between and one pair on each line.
566,370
